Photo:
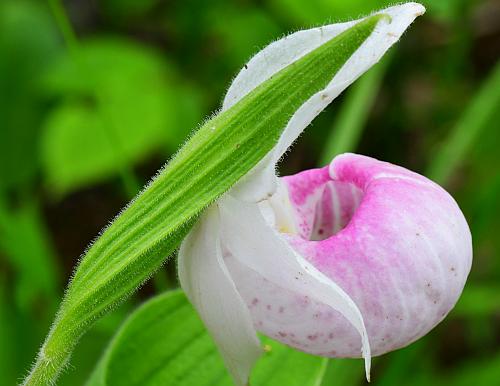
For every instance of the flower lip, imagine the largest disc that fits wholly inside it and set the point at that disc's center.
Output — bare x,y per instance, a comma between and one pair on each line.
338,206
322,205
326,202
403,258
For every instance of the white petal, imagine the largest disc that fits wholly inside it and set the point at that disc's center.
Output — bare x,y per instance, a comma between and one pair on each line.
283,52
251,241
208,285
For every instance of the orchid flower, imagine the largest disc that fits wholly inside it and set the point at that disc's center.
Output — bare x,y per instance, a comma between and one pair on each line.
357,258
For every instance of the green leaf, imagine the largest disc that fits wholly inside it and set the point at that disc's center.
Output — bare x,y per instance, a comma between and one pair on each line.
25,55
222,151
87,354
479,301
138,109
343,372
314,11
20,332
180,352
7,362
125,9
240,32
25,243
483,372
468,129
401,362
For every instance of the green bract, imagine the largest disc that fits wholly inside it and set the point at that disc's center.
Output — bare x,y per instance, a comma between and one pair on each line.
222,151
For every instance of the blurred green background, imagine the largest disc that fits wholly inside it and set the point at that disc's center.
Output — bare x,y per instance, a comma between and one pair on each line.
86,120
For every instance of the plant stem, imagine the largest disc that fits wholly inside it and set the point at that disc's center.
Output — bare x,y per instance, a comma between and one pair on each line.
45,371
50,360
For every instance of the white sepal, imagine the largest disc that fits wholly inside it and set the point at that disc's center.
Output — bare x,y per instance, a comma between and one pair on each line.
206,281
287,50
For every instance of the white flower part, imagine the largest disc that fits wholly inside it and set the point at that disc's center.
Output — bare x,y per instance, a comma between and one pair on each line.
237,231
249,240
278,55
206,281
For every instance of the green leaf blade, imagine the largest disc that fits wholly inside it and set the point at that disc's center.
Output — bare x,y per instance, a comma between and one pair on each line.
468,129
225,148
165,343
